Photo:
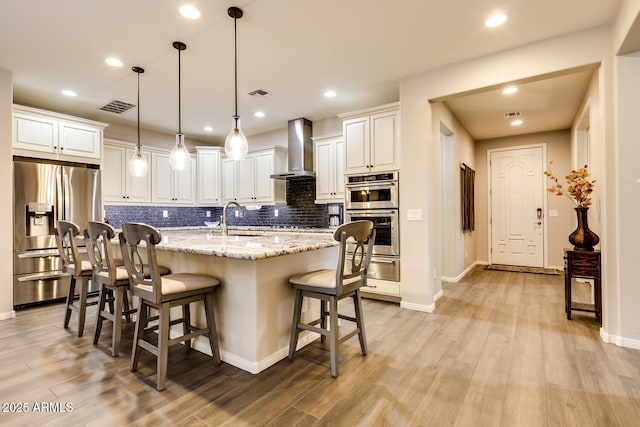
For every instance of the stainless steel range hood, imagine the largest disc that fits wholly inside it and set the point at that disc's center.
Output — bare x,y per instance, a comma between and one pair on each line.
300,151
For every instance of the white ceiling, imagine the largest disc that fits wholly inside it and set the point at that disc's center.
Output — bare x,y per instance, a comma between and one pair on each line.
294,49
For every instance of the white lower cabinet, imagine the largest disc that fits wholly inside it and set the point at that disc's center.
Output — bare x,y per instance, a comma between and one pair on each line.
118,186
249,180
169,186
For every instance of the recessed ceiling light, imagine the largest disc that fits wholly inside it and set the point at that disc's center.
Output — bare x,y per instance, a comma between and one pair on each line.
516,122
68,92
259,114
495,20
189,12
114,62
208,128
330,93
509,90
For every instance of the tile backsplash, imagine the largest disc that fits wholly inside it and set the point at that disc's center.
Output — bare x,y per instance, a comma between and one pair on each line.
300,211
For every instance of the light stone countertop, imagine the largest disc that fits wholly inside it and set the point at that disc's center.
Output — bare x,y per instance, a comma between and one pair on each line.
249,244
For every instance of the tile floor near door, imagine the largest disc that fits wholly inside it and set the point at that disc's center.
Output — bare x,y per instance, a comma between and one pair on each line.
498,351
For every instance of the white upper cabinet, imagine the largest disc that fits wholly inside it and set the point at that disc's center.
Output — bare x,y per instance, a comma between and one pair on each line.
372,139
209,176
249,180
329,167
169,186
44,134
118,186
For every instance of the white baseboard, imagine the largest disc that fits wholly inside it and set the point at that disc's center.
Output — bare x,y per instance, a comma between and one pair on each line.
8,315
201,344
418,307
437,296
461,275
618,340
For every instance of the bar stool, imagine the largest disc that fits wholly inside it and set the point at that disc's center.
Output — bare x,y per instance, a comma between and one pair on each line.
330,286
113,279
66,233
162,293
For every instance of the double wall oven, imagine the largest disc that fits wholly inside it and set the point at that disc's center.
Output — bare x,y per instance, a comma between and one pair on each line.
374,197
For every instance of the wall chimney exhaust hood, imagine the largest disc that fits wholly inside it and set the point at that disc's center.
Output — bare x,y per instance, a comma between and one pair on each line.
300,151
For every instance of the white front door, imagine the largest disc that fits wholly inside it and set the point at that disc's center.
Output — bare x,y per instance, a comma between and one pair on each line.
517,189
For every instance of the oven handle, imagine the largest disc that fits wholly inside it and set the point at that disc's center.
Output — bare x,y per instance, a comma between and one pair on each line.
370,185
383,261
371,212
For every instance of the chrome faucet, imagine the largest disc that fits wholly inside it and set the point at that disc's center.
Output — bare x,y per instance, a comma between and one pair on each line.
223,218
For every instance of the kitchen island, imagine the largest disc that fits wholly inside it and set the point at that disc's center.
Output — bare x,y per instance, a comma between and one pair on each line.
254,303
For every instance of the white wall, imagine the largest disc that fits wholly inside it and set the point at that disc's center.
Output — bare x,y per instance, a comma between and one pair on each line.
458,247
420,141
6,194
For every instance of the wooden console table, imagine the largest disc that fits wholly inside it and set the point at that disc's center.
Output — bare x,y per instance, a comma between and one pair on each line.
584,265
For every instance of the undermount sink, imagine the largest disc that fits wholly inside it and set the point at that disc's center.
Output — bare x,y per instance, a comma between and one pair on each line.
242,234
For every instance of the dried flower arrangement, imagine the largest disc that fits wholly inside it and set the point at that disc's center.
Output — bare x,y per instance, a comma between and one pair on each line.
579,189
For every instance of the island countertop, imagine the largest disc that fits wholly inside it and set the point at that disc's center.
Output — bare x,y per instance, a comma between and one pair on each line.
244,244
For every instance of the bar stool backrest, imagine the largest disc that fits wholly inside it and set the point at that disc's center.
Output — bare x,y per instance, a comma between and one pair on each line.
98,237
364,234
138,244
66,233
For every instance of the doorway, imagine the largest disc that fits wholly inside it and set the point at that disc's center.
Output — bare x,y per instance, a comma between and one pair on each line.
516,203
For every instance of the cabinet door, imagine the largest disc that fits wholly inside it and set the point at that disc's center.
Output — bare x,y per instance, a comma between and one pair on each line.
79,140
138,188
229,191
208,178
339,171
161,179
385,141
184,184
356,140
263,167
35,133
325,177
114,168
245,176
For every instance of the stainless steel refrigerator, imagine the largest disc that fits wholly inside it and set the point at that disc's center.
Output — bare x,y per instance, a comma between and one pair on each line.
43,194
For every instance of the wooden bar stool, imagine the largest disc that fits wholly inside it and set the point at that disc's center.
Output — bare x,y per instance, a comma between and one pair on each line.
330,286
66,233
113,280
162,293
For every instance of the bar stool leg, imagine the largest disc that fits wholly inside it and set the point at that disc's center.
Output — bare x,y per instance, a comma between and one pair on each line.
297,310
102,299
357,304
82,312
333,335
163,346
323,318
141,322
186,323
117,320
70,295
211,321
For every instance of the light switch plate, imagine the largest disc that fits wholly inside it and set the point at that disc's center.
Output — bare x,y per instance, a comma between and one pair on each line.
208,214
553,212
165,214
414,215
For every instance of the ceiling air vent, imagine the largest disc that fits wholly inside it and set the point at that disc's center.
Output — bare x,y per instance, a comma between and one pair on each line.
512,115
117,107
259,92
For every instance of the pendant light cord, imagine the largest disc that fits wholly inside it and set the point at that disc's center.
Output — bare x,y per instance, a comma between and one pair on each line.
138,72
179,96
235,61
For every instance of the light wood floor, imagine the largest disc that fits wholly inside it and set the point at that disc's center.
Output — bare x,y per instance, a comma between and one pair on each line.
498,351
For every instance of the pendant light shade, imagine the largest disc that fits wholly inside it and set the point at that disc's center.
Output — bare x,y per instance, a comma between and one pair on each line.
179,157
138,164
235,146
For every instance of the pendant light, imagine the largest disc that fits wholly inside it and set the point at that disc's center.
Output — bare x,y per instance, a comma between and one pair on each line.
138,165
179,157
235,146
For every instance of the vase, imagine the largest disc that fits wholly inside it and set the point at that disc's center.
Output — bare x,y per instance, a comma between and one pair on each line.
582,237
